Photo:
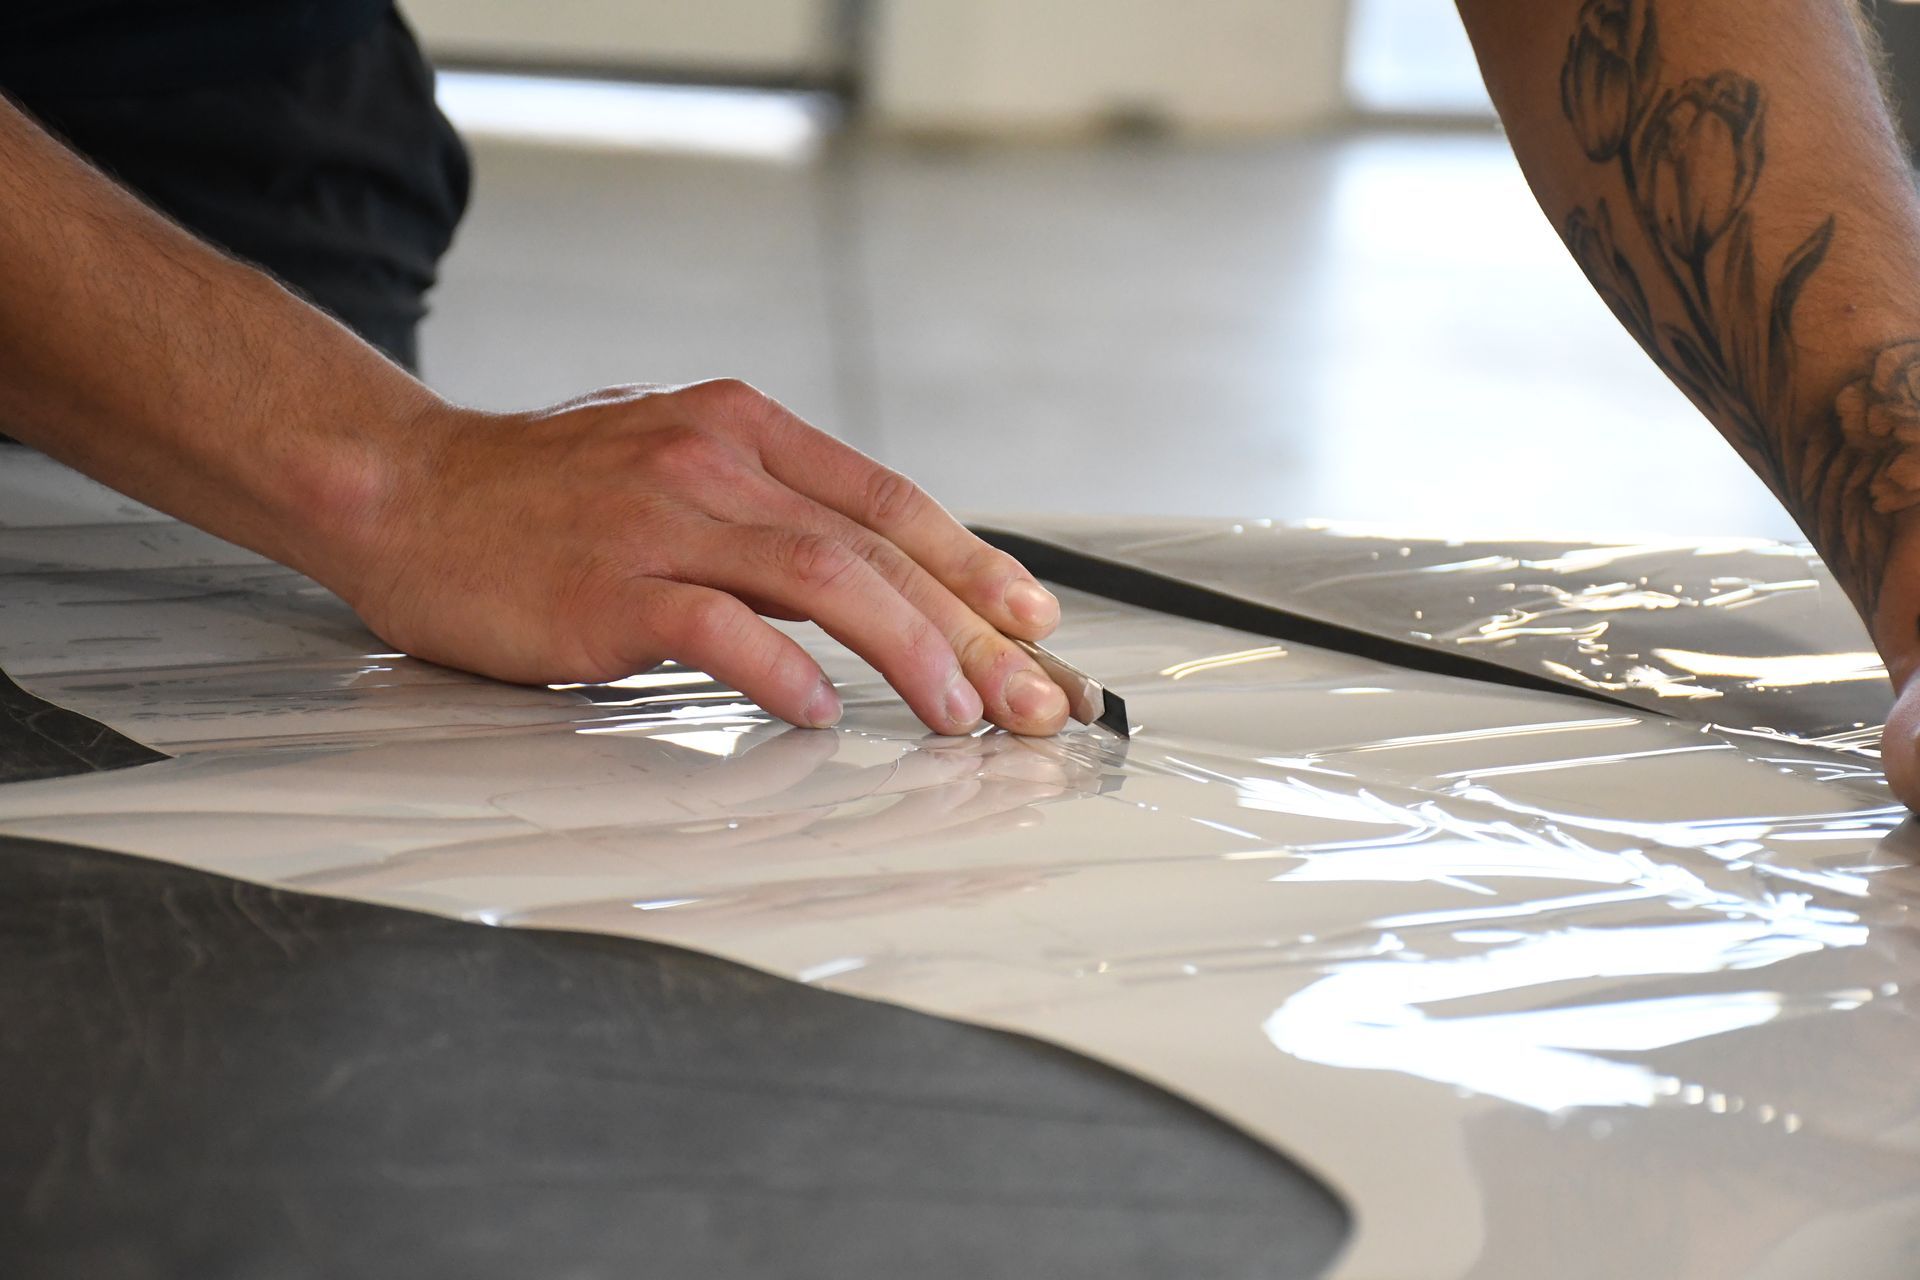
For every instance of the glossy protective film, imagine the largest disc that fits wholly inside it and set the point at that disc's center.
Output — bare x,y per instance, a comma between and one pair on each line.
1541,986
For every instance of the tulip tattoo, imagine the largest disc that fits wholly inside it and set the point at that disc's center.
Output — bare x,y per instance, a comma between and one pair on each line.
1699,156
1607,73
1721,326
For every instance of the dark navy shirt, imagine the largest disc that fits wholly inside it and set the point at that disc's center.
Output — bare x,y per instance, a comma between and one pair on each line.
300,135
74,47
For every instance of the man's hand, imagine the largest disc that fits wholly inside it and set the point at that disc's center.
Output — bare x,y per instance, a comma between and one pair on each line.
593,540
586,542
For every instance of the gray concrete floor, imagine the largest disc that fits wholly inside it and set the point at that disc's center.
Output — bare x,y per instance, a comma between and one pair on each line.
1377,328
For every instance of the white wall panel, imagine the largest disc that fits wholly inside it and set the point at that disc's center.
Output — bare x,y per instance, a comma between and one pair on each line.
1049,66
755,37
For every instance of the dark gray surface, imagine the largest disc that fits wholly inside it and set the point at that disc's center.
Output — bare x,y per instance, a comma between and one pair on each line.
40,740
204,1078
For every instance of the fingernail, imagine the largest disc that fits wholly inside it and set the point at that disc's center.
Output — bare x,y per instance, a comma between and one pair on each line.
823,708
1033,697
963,704
1032,603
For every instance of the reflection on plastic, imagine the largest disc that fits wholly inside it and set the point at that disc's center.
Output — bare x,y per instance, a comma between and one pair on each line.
1375,1016
1623,619
1459,948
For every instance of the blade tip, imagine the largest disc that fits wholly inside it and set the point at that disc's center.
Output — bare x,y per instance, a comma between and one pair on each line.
1113,714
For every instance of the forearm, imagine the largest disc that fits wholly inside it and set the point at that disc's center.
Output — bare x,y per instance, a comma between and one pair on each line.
177,375
1726,173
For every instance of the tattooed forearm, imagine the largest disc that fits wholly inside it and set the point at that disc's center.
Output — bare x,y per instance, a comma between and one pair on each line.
1678,265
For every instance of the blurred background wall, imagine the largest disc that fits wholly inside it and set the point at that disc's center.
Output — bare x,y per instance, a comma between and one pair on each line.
1229,257
975,66
777,41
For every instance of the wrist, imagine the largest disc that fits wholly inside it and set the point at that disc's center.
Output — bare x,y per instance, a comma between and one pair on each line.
342,497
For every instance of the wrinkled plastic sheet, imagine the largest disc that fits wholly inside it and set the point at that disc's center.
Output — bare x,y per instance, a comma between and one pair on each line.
1737,631
1537,984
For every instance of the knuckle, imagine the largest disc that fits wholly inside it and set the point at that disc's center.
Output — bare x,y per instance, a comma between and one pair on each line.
980,651
984,655
710,624
729,388
773,670
988,566
728,396
928,645
816,561
891,497
687,452
886,559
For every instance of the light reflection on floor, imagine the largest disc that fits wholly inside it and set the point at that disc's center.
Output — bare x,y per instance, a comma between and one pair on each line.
1372,327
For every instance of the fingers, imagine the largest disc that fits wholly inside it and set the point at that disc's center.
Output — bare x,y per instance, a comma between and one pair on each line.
1016,693
991,583
717,506
719,635
1900,746
828,581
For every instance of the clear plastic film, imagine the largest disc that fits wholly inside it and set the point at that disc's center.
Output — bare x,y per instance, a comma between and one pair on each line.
1526,978
1735,631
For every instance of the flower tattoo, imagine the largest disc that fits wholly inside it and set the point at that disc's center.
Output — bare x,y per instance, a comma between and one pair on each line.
1689,156
1699,156
1880,411
1604,81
